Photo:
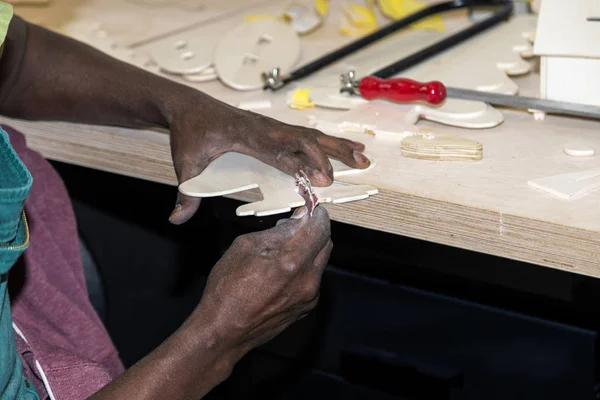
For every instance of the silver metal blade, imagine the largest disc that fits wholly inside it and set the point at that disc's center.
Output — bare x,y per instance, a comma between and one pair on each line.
551,106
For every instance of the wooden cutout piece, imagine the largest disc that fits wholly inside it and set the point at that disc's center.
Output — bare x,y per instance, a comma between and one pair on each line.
206,75
441,147
394,121
183,56
235,172
569,186
303,19
579,150
260,104
254,48
593,13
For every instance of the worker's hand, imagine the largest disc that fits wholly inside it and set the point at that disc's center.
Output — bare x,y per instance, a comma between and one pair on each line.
215,128
266,281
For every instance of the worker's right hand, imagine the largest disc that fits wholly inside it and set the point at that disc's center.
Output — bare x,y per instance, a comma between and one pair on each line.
266,281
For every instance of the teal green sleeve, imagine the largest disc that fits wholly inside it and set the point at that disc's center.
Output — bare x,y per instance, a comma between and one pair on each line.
15,184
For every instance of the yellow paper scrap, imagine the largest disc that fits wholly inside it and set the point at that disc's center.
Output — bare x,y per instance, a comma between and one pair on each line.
398,9
360,16
301,99
322,7
254,17
357,20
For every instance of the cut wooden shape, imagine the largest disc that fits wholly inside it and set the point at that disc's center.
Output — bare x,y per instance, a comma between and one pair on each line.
441,147
394,121
454,112
254,48
235,172
261,104
569,57
593,12
206,75
303,19
191,55
462,113
331,98
576,149
575,39
569,186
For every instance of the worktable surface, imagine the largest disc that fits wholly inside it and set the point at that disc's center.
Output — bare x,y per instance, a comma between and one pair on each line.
484,206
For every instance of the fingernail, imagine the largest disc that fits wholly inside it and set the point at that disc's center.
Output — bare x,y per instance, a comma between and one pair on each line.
299,213
361,158
176,211
320,176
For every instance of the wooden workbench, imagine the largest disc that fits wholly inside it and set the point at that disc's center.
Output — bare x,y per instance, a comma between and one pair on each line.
483,206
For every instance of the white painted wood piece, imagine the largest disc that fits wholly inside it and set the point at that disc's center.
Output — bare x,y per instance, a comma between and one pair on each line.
190,51
441,147
206,75
303,19
593,11
254,48
566,41
394,121
327,97
454,112
235,172
569,186
260,104
183,56
577,149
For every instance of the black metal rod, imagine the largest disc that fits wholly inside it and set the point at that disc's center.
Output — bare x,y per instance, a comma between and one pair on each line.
363,42
446,43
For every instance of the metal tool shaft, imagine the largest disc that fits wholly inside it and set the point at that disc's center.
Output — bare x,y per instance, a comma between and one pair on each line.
551,106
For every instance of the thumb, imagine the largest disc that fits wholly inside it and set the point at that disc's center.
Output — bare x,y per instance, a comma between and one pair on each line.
185,208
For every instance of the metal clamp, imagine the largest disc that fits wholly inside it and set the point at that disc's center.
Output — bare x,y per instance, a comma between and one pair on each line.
273,79
349,83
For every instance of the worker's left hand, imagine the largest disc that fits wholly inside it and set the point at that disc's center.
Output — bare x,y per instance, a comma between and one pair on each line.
216,128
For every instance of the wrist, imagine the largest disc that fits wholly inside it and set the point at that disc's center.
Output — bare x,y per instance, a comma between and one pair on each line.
206,338
174,100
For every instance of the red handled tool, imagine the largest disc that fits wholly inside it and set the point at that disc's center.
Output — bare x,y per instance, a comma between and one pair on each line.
400,90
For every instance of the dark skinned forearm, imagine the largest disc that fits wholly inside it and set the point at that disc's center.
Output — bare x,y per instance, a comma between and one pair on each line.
47,76
187,366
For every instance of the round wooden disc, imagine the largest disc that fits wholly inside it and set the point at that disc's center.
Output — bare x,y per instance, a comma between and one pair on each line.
579,150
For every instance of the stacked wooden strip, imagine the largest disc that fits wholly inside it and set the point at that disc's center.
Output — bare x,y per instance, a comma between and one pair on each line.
431,146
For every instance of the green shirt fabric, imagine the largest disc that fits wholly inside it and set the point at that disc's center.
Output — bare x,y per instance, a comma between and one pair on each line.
15,184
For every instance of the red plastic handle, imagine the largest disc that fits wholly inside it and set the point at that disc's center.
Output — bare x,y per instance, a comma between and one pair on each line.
402,90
